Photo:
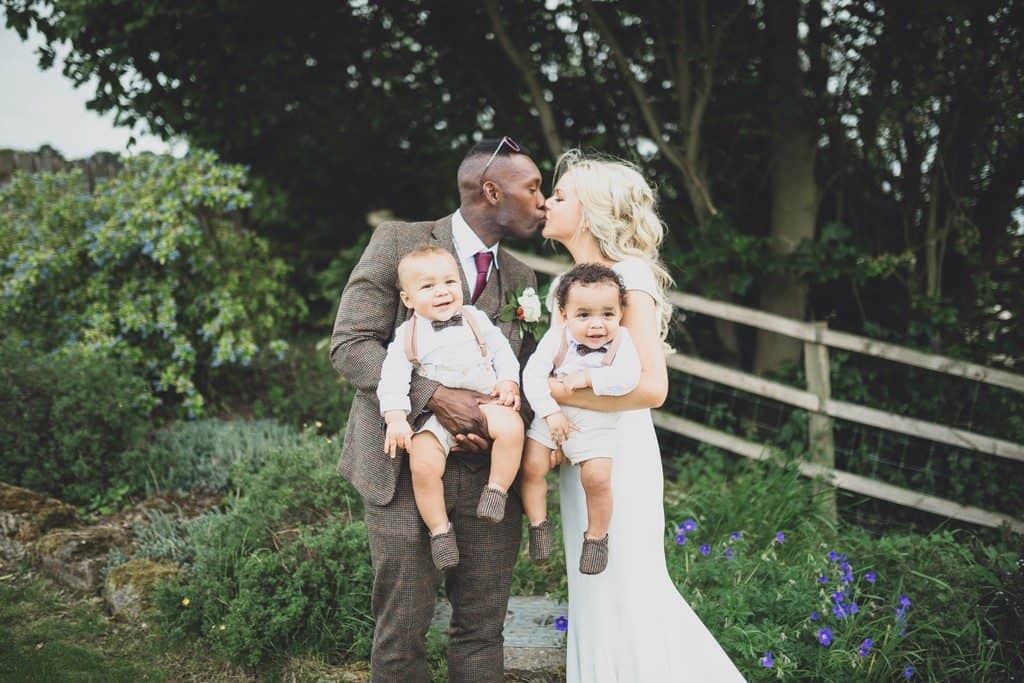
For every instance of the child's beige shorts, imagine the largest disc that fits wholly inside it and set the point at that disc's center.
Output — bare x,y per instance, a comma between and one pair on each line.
597,436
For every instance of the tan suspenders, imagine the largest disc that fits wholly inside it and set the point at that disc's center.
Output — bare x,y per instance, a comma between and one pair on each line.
563,348
410,337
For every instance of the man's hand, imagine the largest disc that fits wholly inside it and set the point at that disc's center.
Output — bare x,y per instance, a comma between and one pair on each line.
560,426
507,393
458,411
398,434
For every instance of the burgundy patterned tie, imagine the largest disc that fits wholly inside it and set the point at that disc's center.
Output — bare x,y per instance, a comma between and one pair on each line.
483,266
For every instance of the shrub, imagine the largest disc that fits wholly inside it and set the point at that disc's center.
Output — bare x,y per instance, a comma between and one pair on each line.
213,455
72,424
153,266
285,569
927,602
300,389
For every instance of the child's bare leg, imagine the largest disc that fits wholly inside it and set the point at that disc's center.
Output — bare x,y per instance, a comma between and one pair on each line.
426,463
534,483
506,428
596,475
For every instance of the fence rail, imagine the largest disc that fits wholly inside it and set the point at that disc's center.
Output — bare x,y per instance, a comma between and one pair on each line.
817,401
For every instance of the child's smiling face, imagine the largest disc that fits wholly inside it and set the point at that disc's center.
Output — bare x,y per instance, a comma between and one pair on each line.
593,313
431,285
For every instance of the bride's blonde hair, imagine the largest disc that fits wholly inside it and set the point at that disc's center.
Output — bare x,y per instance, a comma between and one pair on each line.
620,210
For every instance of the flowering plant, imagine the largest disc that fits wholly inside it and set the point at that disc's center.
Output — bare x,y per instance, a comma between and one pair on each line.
523,305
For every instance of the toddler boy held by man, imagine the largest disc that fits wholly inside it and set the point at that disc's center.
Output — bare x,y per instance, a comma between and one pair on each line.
590,350
459,347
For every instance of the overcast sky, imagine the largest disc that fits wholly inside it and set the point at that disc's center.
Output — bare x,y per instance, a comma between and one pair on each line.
42,107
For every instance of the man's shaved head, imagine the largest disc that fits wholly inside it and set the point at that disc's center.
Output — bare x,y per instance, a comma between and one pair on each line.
503,198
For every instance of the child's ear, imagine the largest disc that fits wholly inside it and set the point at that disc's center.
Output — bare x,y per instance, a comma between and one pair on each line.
405,298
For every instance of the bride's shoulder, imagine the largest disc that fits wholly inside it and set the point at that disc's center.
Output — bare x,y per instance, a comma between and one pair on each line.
636,273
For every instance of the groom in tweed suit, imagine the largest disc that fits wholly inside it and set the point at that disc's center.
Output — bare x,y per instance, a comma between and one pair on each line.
499,189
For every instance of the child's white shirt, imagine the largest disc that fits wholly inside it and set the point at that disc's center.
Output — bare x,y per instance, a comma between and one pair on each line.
618,378
453,347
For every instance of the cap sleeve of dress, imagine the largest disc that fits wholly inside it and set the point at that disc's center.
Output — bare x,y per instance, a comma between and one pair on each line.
637,275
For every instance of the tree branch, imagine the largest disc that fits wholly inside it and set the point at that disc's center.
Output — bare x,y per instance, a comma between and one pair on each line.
547,116
647,112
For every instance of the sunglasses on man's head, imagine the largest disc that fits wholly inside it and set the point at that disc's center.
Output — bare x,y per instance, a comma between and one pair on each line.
512,145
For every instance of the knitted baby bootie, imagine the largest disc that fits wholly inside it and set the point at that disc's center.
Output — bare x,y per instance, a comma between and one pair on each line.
444,550
594,557
491,507
542,541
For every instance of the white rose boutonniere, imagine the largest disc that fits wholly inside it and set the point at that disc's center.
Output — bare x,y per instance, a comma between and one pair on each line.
525,306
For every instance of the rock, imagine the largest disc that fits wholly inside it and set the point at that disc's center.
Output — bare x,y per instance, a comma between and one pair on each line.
128,586
75,558
25,515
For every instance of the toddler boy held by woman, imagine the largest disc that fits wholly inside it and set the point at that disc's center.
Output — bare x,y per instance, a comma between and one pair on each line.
588,349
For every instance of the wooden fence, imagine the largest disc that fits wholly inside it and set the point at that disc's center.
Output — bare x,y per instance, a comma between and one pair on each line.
822,408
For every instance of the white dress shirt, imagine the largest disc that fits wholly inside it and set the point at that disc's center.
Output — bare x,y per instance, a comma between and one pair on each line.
451,349
468,243
617,379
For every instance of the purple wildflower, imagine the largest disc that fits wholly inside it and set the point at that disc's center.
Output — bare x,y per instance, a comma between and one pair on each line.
705,549
870,577
833,556
908,671
728,553
838,597
768,661
865,647
822,579
815,616
562,624
780,537
904,602
735,536
680,539
825,636
688,526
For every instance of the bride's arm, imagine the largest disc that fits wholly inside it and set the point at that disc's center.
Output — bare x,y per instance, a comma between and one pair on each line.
641,318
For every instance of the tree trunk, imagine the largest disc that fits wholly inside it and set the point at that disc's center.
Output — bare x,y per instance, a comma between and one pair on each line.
794,190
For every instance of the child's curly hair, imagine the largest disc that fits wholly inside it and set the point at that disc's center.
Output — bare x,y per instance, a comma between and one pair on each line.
588,274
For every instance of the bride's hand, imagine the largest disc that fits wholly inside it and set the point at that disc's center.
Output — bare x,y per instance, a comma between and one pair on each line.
559,391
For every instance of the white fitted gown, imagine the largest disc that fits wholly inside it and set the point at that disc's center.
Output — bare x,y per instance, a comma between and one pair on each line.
629,624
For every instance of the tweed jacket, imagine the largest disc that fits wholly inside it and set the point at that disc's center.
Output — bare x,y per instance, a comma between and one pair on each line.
368,314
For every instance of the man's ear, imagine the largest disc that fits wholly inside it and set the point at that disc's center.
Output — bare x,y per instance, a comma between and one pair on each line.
492,193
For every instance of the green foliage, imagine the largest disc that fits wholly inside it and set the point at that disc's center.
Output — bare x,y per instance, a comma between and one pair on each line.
285,569
300,389
152,266
214,455
72,423
762,598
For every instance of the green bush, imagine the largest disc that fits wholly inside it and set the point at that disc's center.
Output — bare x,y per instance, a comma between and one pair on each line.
153,266
300,389
285,569
72,424
214,455
756,592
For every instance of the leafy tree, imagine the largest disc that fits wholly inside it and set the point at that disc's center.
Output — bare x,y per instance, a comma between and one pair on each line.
153,267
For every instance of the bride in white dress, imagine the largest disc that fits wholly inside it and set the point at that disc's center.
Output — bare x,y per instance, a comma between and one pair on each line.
627,624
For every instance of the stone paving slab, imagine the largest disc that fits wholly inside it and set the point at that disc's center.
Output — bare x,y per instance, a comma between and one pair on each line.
529,623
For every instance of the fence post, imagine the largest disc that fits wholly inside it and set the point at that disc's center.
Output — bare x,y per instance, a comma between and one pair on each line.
819,427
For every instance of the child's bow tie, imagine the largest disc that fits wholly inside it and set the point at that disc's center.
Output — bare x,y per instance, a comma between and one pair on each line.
454,321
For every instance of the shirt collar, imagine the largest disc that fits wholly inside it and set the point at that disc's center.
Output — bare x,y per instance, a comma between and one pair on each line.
468,242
